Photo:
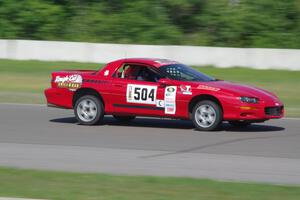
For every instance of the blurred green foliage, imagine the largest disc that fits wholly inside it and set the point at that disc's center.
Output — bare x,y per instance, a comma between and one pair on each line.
235,23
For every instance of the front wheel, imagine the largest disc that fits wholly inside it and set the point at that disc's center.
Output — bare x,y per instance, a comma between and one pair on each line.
89,110
207,115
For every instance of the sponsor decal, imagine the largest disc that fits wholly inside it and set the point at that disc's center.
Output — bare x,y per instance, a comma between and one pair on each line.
170,100
72,82
160,103
205,87
129,93
170,108
144,94
106,73
170,89
186,89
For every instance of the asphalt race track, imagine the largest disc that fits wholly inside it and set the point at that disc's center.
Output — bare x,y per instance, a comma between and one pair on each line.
33,136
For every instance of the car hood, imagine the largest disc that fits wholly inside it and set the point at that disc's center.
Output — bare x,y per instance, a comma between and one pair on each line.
237,89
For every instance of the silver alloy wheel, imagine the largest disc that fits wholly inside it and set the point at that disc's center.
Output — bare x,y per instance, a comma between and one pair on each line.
87,110
205,116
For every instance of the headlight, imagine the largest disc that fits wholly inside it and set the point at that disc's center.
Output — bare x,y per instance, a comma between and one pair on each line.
249,99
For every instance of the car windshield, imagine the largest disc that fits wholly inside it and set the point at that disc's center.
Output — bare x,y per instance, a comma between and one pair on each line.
182,72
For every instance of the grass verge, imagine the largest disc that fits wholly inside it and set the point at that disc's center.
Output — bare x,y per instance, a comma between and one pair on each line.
76,186
24,81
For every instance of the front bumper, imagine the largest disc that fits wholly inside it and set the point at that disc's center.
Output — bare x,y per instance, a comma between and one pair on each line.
254,112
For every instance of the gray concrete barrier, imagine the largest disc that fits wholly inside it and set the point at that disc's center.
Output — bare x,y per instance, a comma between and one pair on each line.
192,55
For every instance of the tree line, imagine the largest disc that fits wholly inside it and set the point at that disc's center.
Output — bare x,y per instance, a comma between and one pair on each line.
233,23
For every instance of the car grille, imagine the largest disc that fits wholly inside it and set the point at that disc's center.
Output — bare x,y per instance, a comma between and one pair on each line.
274,111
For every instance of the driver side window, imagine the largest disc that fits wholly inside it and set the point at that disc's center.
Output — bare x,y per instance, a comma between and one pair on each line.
137,72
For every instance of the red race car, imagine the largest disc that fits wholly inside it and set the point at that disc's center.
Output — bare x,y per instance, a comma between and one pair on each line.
133,87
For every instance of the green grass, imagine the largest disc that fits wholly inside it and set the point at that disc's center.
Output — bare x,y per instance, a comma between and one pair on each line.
24,81
75,186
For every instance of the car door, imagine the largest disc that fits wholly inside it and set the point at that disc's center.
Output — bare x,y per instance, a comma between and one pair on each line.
137,96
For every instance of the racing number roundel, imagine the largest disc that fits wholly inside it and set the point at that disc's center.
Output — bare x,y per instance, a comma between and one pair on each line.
141,94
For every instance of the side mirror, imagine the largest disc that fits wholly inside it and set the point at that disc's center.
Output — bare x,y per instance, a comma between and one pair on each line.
163,82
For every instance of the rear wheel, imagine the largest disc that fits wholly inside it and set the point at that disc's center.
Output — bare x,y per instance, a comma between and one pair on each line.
124,118
89,110
240,124
207,115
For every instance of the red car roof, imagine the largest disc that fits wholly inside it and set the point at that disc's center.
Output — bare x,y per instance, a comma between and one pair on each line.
157,62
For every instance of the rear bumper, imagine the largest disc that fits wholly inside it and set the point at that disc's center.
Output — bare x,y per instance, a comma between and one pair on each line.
59,98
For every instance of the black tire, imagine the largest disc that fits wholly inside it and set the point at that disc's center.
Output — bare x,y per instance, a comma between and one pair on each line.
240,124
99,112
217,112
124,118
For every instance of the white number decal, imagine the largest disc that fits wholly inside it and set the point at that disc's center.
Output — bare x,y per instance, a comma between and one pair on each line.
141,94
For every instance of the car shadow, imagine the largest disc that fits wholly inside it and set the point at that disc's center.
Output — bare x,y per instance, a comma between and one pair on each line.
258,127
65,120
138,122
171,124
